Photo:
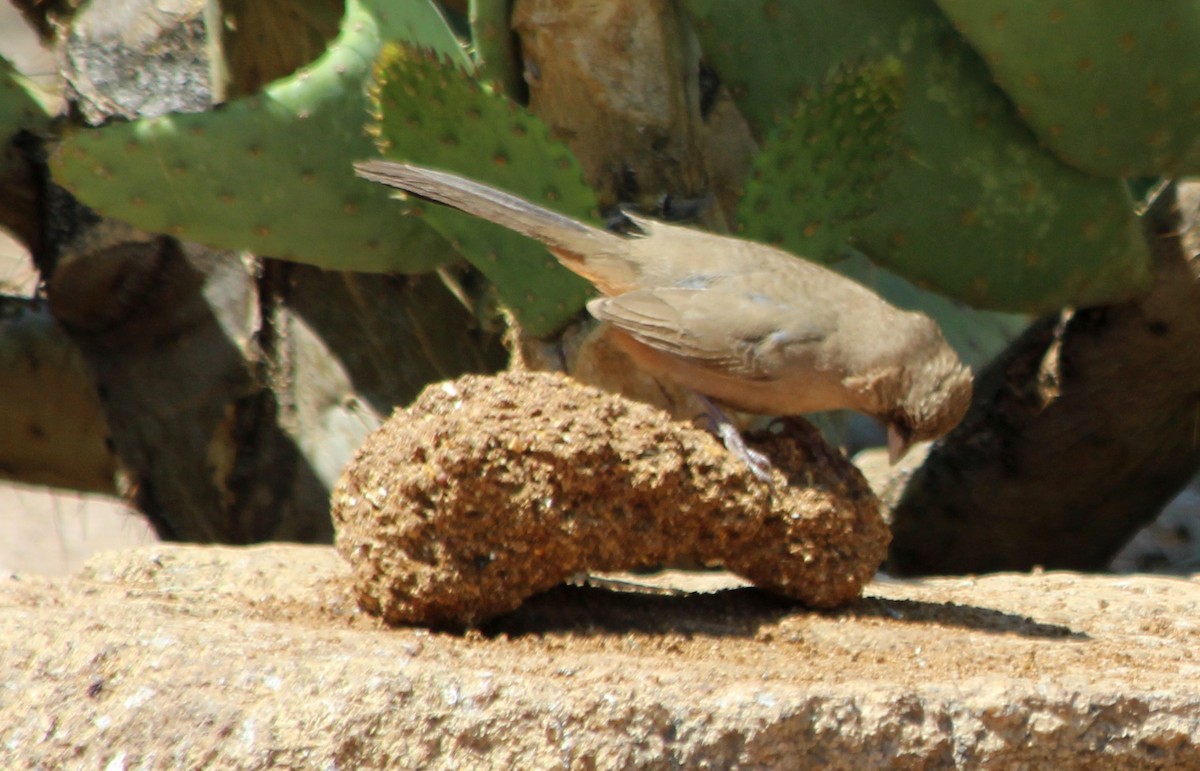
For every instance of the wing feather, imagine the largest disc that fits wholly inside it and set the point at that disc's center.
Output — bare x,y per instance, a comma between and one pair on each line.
721,328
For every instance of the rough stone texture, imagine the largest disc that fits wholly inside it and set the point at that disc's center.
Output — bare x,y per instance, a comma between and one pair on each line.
187,657
489,489
137,59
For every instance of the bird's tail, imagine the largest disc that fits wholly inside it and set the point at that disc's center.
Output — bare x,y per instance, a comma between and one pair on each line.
589,251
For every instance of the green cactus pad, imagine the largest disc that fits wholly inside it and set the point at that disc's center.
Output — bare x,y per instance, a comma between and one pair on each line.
418,22
974,207
22,105
495,47
827,160
1111,86
432,113
271,173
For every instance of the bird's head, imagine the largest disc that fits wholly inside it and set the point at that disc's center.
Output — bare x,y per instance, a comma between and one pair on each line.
934,394
920,390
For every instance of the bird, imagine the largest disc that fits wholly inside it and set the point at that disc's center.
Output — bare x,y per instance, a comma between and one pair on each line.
740,323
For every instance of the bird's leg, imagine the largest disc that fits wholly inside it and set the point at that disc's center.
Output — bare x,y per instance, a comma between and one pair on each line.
722,425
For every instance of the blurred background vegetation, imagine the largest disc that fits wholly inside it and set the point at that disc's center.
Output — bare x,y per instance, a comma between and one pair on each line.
215,311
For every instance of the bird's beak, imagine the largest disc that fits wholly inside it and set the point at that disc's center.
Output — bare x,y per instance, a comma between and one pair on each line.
898,444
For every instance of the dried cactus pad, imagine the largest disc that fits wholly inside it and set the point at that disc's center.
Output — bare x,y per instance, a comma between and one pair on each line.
488,490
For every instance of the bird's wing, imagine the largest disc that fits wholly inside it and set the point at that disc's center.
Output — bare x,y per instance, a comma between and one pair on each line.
726,329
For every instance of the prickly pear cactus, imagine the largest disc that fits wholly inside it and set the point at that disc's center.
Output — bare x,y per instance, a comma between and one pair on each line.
974,207
22,106
827,159
429,111
495,49
271,173
1111,86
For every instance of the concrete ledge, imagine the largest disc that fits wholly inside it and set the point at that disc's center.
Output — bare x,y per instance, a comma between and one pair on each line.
173,656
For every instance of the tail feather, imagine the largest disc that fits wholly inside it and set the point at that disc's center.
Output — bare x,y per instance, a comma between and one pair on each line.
572,241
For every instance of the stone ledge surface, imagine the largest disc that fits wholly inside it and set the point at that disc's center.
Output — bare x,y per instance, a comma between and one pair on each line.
180,656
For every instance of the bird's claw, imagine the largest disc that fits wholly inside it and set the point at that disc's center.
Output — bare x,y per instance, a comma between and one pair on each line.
758,463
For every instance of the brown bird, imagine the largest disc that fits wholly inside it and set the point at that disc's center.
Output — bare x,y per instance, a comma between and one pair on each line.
751,326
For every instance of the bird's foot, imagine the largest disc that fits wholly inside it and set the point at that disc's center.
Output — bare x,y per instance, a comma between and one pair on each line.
758,463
